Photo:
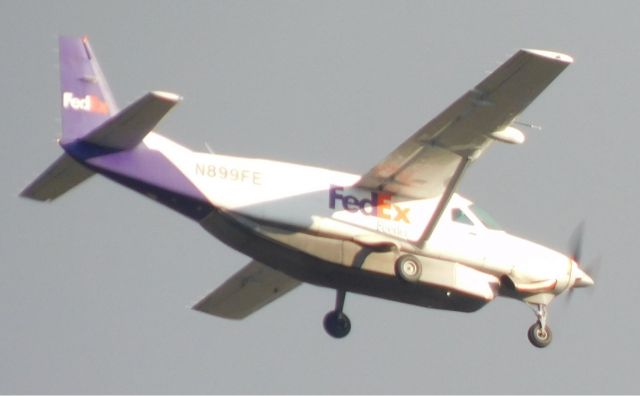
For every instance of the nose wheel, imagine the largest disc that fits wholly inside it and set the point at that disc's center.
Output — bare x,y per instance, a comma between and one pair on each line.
336,323
539,333
538,336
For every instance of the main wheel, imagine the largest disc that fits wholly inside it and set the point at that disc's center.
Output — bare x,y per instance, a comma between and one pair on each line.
337,324
409,268
538,337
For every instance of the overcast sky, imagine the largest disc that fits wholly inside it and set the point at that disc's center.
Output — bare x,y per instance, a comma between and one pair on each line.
95,287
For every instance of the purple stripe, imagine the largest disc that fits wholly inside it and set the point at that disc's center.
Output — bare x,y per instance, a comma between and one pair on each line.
147,171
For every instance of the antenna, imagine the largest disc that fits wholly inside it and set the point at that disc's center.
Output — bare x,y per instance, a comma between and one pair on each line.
529,125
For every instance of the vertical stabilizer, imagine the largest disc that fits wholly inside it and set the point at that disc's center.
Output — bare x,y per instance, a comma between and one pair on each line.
87,101
91,121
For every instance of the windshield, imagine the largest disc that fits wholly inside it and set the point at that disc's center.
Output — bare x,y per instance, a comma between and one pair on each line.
485,218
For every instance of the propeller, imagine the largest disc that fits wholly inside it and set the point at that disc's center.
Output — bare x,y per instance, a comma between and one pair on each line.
593,267
585,277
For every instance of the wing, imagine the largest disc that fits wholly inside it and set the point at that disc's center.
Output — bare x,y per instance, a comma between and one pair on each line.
430,163
250,289
422,166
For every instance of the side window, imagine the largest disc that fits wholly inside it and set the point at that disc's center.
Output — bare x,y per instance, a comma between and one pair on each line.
458,216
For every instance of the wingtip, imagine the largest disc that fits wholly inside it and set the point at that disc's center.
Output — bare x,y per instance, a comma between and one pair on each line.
551,55
168,96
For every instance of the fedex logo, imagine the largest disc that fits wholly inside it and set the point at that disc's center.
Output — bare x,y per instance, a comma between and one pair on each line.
378,205
89,103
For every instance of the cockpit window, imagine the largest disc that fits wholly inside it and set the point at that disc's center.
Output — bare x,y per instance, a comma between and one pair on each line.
458,216
485,218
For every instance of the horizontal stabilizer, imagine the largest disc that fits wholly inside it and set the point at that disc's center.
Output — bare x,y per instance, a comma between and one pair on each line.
126,129
64,174
250,289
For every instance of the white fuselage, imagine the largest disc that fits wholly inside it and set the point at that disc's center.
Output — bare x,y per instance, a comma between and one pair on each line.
322,202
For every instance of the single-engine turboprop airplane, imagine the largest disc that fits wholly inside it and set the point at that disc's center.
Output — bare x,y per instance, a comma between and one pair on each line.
398,232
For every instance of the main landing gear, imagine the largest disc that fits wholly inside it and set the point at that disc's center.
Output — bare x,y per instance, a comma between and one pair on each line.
336,323
539,333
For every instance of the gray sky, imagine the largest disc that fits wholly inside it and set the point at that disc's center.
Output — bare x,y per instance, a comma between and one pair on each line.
94,288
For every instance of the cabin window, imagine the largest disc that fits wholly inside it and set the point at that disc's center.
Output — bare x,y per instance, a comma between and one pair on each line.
458,216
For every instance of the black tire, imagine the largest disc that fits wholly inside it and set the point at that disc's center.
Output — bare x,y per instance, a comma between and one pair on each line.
539,338
408,268
337,324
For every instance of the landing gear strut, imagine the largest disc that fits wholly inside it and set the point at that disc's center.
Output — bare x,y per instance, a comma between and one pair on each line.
336,323
539,333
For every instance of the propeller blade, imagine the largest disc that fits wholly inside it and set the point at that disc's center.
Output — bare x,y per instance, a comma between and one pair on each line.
569,294
576,242
576,255
593,267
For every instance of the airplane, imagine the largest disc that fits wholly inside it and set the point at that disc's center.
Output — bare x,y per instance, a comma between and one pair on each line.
398,232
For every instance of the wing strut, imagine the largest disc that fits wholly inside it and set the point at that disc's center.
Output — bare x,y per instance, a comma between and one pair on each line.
444,200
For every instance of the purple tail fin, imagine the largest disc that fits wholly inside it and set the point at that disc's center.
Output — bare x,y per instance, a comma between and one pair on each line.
87,101
92,128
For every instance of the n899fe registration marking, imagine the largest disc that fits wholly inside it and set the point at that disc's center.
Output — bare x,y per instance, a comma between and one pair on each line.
230,174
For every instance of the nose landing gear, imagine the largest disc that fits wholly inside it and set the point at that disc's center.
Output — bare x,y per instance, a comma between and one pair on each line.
539,333
538,336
